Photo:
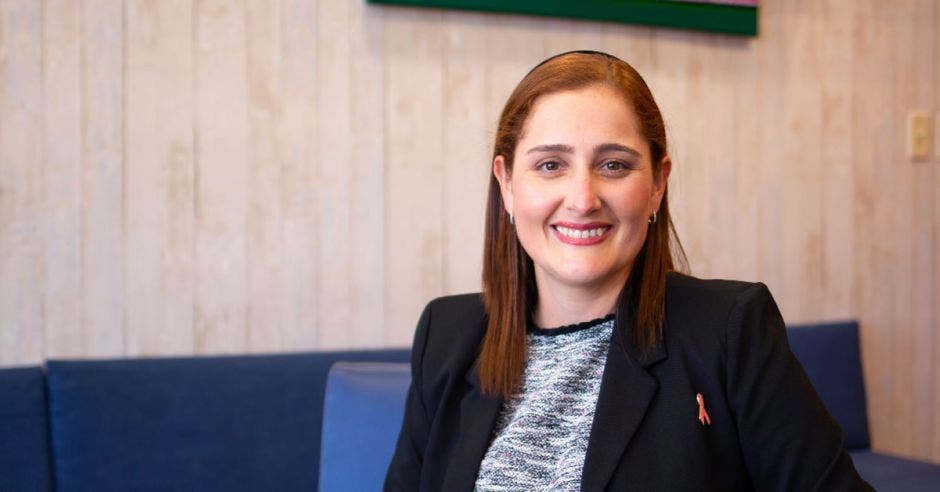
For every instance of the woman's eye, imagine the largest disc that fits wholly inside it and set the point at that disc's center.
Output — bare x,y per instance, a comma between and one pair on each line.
550,166
614,166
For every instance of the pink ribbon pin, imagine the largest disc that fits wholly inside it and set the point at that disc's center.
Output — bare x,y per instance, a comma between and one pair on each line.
702,414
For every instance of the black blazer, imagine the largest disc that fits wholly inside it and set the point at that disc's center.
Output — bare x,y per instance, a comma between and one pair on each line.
723,339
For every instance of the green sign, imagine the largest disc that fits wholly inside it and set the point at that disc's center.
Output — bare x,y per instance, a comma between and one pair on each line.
696,15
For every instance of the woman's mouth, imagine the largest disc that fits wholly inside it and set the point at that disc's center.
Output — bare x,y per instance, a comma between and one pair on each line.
581,234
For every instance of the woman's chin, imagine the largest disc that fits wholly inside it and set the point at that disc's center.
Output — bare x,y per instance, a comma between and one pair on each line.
590,278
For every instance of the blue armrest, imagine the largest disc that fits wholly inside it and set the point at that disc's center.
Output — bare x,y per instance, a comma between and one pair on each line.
25,464
893,473
362,415
830,355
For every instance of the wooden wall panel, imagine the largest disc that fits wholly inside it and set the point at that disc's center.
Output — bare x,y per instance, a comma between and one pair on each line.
102,160
799,136
747,66
837,157
917,77
935,248
413,172
630,43
22,220
366,321
184,177
935,285
61,180
871,283
221,170
901,263
769,233
299,191
669,66
266,292
159,178
466,149
334,173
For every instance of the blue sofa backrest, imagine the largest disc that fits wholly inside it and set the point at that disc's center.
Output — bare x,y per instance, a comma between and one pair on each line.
831,357
214,423
362,414
24,436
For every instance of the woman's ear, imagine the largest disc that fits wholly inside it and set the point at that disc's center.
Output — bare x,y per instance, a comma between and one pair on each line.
505,183
660,181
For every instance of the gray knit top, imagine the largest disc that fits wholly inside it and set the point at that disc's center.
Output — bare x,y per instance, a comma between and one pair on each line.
542,432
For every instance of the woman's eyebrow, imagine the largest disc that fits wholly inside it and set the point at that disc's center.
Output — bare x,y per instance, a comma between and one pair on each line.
552,148
615,147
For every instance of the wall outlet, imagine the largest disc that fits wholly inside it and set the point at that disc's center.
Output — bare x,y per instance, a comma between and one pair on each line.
919,132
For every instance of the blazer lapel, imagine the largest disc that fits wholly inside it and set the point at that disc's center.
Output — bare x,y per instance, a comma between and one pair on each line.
625,394
478,414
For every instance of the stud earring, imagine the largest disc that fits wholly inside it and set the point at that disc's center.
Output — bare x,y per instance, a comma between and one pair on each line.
652,219
512,220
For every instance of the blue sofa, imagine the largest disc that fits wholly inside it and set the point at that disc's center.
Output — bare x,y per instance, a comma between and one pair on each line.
255,422
194,424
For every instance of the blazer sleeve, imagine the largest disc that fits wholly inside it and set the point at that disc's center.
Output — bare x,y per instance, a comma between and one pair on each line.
789,440
404,471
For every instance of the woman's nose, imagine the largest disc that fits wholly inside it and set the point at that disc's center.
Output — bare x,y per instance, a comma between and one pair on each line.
582,196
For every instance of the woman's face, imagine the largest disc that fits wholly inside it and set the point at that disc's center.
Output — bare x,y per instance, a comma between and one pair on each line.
581,189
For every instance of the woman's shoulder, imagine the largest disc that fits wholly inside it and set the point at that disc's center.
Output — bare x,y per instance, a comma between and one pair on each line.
451,328
688,296
460,306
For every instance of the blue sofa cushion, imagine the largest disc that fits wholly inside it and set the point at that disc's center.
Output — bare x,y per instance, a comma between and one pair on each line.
214,423
886,472
362,415
830,355
24,437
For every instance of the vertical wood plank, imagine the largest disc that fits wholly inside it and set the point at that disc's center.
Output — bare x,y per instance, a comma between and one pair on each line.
935,324
632,44
711,92
748,67
560,36
159,178
683,58
102,155
333,164
297,130
511,53
62,198
413,177
899,202
21,216
221,176
367,35
870,285
801,122
837,158
770,163
911,239
265,290
670,59
916,76
466,151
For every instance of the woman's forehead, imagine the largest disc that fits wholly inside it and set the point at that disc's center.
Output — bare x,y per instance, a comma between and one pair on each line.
589,116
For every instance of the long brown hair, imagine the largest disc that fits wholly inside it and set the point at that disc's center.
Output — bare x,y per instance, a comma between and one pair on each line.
509,290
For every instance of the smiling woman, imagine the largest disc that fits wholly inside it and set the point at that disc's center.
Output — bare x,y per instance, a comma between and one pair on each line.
589,363
582,206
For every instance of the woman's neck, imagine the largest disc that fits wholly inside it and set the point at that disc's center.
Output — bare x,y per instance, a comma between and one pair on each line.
562,306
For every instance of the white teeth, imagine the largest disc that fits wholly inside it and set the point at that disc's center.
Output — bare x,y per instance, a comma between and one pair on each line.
580,234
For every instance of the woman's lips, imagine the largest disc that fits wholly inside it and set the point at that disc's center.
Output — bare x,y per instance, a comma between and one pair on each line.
581,234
